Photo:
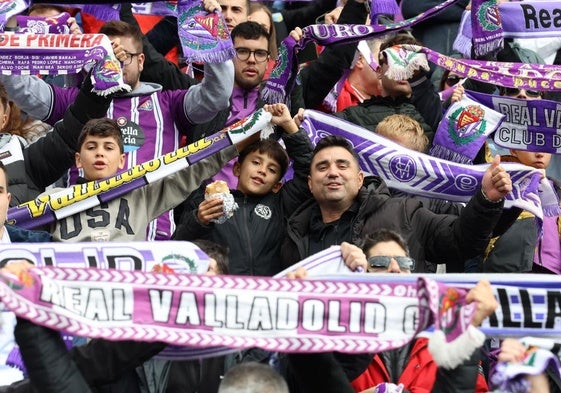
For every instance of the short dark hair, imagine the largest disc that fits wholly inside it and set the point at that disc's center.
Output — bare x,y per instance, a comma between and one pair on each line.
398,39
102,127
335,141
118,28
384,235
252,377
215,251
250,31
3,169
43,7
270,147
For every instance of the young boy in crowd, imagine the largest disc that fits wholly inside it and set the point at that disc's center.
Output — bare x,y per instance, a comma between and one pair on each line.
255,231
126,218
519,250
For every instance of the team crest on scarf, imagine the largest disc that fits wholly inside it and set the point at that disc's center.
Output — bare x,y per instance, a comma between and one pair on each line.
180,263
467,124
213,24
489,17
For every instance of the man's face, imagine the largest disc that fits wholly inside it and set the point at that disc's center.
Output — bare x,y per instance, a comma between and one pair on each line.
100,157
131,72
368,78
258,174
387,249
391,88
335,178
234,12
249,73
4,200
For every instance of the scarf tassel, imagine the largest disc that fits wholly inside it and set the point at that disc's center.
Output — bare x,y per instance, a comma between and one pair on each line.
440,151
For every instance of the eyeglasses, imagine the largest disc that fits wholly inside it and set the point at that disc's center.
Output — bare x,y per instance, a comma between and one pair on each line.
451,80
130,56
510,91
382,261
260,55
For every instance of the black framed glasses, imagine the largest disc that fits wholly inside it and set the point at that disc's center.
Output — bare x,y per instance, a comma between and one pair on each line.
130,56
260,55
383,261
452,80
513,92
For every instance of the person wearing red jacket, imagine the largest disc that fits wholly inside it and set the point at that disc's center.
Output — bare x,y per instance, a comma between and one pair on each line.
412,365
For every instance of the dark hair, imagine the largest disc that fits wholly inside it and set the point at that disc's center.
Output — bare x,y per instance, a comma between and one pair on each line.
43,7
3,169
273,48
270,147
16,124
252,377
398,39
102,127
118,28
215,251
335,141
249,30
384,235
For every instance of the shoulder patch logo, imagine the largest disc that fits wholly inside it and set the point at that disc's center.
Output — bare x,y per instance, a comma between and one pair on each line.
146,106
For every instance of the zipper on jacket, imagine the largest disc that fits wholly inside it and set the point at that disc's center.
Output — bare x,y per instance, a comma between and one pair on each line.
247,236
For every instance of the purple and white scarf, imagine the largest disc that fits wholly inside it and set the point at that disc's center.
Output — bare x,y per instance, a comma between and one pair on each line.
527,19
11,8
486,27
419,174
44,25
519,75
282,77
204,36
24,54
64,203
533,125
214,313
463,130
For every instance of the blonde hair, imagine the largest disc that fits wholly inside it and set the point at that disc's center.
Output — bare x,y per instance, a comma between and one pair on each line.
404,130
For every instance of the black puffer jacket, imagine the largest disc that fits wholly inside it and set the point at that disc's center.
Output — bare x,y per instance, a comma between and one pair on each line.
256,231
440,238
373,111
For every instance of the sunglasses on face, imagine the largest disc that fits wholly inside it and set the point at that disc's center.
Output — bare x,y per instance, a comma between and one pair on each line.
451,80
382,261
510,91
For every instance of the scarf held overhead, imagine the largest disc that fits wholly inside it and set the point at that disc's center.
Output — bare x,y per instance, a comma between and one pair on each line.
25,54
420,174
528,19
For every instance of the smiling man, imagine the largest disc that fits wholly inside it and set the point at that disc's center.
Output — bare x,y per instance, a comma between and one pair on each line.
347,207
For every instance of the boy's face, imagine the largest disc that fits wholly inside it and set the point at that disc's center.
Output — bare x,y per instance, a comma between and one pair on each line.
4,200
533,159
258,174
100,157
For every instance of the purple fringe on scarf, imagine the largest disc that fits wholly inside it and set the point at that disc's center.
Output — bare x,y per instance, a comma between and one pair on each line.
486,27
204,36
